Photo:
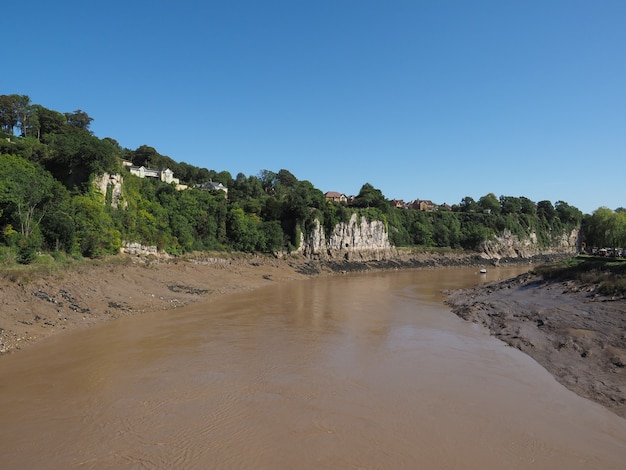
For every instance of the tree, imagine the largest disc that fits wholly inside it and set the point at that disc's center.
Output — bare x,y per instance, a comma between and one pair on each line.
567,214
25,193
545,210
268,181
9,114
605,228
243,230
510,205
79,119
145,155
96,234
473,234
468,204
528,206
77,155
47,122
489,203
369,196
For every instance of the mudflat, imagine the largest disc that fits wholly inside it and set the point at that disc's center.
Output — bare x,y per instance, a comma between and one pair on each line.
39,304
576,334
35,304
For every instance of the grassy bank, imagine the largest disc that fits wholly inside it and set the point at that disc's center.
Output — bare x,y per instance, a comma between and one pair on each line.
608,275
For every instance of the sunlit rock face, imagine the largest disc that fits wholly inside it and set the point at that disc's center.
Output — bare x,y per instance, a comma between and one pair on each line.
357,239
508,245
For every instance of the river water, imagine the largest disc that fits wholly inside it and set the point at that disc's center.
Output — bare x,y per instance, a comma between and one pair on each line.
359,371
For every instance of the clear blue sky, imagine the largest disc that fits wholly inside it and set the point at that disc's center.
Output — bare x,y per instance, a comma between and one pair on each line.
437,99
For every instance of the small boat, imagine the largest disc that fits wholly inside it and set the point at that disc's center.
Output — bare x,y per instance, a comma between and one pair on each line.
483,271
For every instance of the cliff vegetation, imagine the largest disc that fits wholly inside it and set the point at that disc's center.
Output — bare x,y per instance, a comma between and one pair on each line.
66,192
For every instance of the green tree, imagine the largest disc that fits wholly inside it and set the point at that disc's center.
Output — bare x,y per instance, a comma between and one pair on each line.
605,228
369,196
26,191
243,230
77,155
95,230
546,211
510,205
79,119
528,206
489,203
9,114
468,204
48,122
567,214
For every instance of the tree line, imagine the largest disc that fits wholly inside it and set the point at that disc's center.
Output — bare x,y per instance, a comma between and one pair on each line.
48,202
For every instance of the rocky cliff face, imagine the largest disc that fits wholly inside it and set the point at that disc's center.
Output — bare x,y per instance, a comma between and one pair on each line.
355,240
363,240
508,245
113,181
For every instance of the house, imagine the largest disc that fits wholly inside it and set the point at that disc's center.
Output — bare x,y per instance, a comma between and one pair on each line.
166,175
425,206
398,203
334,196
213,186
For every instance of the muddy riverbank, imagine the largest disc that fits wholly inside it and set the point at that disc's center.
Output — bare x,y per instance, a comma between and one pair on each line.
35,304
578,335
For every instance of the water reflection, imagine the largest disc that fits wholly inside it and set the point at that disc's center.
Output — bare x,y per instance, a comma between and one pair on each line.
358,371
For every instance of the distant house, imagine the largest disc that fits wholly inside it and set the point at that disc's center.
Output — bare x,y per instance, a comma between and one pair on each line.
166,175
425,206
334,196
213,186
398,203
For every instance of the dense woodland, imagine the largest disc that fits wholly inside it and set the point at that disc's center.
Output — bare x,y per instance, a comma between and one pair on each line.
48,202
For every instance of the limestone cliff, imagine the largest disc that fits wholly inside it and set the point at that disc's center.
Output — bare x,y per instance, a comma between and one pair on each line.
113,183
508,245
357,239
363,240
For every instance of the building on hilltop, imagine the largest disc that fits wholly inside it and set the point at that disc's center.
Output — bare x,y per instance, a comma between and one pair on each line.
425,206
334,196
213,186
166,175
398,203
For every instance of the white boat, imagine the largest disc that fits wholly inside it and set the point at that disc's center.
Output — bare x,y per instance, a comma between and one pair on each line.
483,271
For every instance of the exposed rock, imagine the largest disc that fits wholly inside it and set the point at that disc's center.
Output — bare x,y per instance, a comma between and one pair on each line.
134,248
361,240
508,245
114,181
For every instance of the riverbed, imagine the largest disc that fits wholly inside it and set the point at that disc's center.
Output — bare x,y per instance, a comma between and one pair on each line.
358,371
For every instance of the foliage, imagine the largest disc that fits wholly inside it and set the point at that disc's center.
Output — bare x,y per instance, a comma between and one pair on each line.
605,228
608,275
47,201
26,193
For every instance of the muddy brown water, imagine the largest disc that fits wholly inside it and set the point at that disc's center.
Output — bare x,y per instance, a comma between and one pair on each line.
360,371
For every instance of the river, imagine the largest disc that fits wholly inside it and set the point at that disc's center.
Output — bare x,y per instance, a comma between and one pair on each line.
362,371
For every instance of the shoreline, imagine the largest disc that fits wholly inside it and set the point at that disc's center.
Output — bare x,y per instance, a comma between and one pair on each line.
576,334
36,305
